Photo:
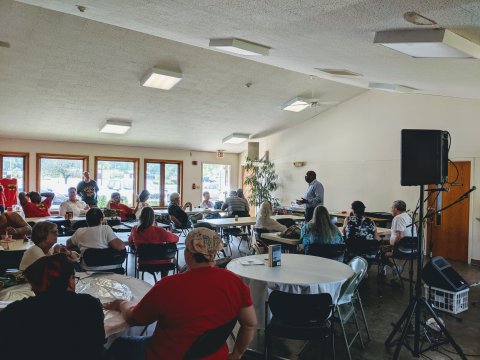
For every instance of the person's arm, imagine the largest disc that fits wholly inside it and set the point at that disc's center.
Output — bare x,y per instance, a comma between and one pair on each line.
23,198
117,244
225,205
125,308
345,222
20,225
48,195
248,325
375,234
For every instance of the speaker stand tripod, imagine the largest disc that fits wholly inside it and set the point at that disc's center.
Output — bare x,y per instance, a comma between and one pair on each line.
416,305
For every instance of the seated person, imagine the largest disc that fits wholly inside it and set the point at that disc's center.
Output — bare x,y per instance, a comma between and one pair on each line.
55,324
3,200
44,236
320,229
32,203
141,203
401,223
264,220
236,205
218,297
122,209
357,226
147,232
95,236
206,203
178,216
77,207
12,223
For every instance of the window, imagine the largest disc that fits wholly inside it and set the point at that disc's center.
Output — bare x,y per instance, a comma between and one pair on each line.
116,175
56,173
216,180
162,177
15,165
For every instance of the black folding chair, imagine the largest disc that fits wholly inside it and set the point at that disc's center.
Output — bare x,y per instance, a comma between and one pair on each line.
329,251
367,249
210,341
150,252
105,257
10,259
405,250
299,317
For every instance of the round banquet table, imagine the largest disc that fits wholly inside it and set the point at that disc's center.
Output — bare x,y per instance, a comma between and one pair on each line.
105,287
300,274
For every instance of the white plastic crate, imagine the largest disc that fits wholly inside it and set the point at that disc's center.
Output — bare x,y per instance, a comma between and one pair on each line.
448,301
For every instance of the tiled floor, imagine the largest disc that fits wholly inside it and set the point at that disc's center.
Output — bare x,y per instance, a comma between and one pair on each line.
384,305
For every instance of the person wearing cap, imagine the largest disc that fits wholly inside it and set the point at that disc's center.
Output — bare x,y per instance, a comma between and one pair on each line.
55,324
357,226
178,216
186,305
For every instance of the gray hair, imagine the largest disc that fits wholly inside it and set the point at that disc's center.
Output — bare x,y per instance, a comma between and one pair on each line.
174,196
400,205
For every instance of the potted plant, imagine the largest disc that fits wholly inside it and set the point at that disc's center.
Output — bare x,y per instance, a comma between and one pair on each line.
262,180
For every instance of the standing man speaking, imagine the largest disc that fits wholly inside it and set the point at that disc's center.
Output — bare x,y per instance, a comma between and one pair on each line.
314,195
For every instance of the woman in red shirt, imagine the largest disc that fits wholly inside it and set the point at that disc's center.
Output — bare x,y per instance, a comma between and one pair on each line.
146,232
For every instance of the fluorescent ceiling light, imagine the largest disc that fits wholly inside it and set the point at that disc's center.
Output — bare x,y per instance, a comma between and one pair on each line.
161,79
428,43
296,105
240,47
392,87
116,127
235,138
339,72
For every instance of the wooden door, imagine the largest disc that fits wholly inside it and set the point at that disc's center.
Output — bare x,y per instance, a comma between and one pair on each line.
448,233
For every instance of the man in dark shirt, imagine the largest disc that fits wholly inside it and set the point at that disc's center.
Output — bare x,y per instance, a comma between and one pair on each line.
178,216
55,324
87,189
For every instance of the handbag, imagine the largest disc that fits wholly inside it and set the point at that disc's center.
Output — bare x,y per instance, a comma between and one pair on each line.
293,232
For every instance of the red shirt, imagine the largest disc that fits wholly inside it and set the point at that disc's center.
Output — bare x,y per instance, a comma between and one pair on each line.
124,210
152,235
3,201
188,304
10,190
37,210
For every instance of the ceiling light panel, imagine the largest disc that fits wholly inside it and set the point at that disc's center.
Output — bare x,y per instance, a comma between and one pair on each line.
428,43
235,138
240,47
161,79
118,127
392,87
296,105
339,72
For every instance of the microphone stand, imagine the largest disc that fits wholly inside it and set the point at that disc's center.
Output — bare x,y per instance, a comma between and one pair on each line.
417,302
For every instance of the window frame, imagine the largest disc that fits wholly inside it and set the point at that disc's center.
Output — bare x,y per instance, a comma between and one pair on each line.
162,179
41,156
26,162
122,159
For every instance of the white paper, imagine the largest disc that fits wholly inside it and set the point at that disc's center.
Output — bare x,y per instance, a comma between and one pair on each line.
251,262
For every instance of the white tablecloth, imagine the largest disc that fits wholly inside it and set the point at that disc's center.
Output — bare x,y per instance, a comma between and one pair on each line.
300,274
118,286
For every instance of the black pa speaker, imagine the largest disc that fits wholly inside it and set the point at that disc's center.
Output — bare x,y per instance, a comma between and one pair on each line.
424,157
440,274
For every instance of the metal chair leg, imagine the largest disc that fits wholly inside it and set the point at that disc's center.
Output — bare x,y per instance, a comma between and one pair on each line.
357,296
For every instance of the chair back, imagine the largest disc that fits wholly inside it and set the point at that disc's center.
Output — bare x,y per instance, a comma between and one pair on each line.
300,307
103,257
218,205
204,225
210,341
329,251
79,224
287,222
239,214
165,251
362,247
348,289
360,266
10,259
113,222
406,248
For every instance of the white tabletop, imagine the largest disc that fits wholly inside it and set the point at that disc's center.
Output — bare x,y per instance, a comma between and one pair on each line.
244,221
277,238
301,274
126,286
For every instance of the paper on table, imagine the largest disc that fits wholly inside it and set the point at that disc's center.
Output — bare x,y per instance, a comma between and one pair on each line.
252,262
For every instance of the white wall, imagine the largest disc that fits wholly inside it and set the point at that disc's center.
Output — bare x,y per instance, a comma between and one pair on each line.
191,173
355,150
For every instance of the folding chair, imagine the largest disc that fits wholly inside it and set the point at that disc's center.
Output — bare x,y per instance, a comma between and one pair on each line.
149,256
299,317
329,251
108,258
360,267
405,250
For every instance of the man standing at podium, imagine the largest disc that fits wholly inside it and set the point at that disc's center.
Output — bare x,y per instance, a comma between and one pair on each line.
313,196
